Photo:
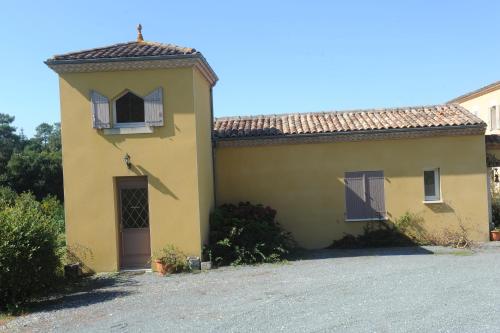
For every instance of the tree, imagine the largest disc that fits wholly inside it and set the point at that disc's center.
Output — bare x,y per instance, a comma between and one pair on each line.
47,137
31,165
9,141
35,171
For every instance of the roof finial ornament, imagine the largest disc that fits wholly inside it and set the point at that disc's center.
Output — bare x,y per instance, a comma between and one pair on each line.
139,33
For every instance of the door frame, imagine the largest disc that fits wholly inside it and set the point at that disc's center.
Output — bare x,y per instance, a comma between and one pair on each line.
117,201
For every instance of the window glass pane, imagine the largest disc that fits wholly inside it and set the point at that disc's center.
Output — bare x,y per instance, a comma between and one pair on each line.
493,117
130,109
429,183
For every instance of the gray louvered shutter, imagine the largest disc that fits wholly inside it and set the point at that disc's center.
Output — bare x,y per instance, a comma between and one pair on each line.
100,110
355,195
153,108
375,193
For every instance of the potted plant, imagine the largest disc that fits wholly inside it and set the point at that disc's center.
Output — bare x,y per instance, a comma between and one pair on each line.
170,260
206,262
495,234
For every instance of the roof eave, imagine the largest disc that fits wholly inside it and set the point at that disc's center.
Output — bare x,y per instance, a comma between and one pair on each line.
476,93
360,135
109,64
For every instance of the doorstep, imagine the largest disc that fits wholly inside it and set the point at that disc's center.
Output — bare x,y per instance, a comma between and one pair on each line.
136,270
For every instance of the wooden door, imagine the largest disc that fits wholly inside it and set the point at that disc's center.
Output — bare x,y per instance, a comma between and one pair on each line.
135,244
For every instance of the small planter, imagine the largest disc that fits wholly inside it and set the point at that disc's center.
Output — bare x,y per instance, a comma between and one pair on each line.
206,265
495,235
163,269
194,263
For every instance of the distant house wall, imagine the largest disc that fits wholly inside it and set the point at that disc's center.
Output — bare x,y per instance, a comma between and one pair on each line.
481,107
305,183
177,173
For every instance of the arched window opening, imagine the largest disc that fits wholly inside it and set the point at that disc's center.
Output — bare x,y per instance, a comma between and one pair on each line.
129,109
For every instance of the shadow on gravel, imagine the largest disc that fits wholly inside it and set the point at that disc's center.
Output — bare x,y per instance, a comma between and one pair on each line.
343,253
86,291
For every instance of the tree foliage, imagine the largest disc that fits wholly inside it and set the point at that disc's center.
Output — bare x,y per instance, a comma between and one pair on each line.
31,215
34,164
29,251
9,141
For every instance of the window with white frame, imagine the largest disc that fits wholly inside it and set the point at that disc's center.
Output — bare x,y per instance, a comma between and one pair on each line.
432,185
493,117
129,110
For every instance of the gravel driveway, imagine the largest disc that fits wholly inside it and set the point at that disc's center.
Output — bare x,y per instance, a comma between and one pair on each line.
386,290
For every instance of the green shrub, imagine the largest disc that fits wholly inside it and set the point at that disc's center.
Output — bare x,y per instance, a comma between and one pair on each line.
172,256
55,212
7,197
29,263
375,234
406,230
247,234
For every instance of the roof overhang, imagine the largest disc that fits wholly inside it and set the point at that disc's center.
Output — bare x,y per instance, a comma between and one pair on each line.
349,136
134,63
476,93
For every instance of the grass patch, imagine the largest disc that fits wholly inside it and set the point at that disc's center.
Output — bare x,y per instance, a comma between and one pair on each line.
460,253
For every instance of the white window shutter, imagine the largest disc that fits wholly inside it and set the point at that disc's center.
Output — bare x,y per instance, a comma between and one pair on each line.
153,108
100,110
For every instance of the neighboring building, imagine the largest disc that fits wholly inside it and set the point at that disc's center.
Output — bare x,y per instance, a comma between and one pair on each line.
139,169
484,103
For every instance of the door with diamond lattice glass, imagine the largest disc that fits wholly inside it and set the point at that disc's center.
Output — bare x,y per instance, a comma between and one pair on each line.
134,222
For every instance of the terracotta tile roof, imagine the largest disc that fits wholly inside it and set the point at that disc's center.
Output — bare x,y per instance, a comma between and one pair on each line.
126,50
480,91
435,116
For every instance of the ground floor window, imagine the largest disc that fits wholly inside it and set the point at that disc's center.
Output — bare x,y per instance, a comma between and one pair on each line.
364,195
432,186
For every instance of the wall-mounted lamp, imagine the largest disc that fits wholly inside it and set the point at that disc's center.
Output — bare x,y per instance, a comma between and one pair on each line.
126,159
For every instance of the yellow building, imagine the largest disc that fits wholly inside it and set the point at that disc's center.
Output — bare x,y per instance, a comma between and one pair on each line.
137,152
138,160
485,103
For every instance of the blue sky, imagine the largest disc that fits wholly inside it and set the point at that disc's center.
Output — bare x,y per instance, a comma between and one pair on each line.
270,56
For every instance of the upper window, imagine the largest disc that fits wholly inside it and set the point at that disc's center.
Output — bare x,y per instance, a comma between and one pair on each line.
129,108
493,118
131,113
432,187
364,195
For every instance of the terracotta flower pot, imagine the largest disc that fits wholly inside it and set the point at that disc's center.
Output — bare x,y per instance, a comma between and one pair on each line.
495,235
162,268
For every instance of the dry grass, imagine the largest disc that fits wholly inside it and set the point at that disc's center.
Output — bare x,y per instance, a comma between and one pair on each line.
458,238
4,318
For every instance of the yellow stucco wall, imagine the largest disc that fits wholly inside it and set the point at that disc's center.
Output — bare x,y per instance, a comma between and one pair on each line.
168,157
304,183
204,142
480,106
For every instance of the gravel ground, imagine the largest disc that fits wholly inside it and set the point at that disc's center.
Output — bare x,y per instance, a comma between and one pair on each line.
383,290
